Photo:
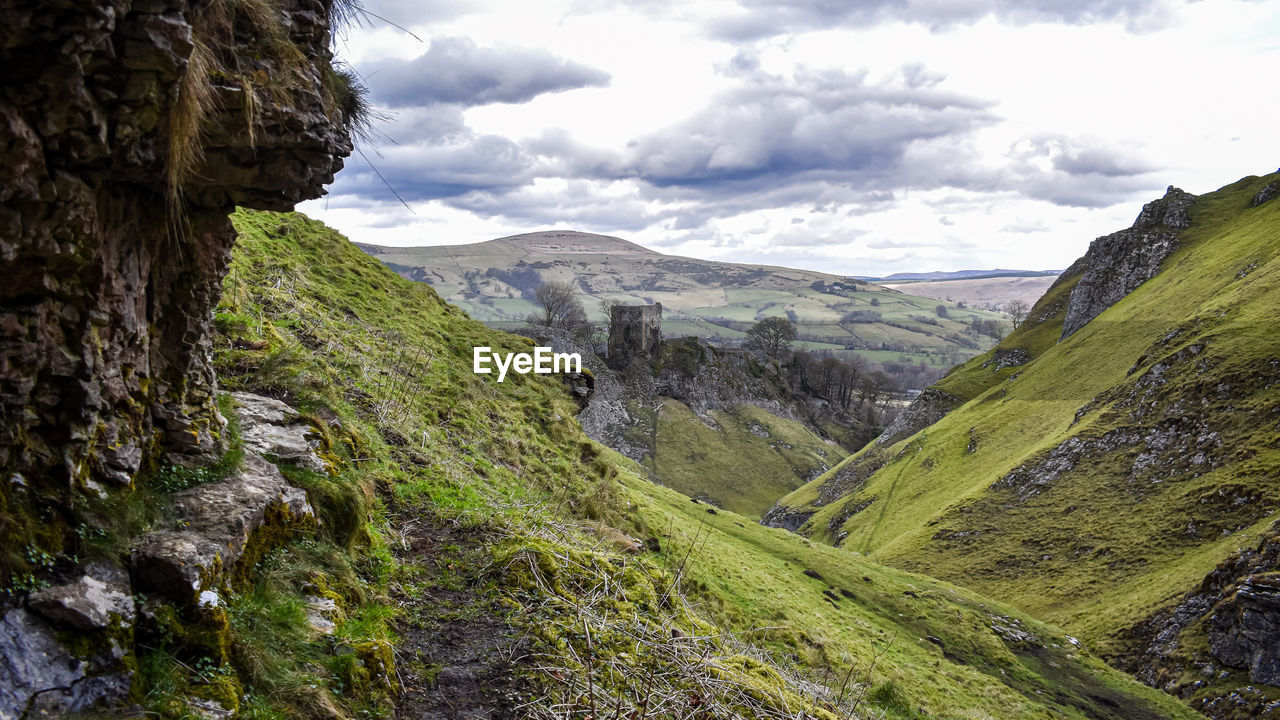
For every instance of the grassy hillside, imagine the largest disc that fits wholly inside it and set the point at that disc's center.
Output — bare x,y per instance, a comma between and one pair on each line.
743,460
492,282
1101,481
470,523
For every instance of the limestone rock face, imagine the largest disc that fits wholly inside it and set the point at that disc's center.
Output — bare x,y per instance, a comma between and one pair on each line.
1118,263
217,523
128,131
111,267
1246,629
608,411
928,408
1008,357
273,429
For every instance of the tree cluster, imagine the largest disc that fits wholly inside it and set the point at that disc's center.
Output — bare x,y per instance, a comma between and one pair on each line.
845,385
561,308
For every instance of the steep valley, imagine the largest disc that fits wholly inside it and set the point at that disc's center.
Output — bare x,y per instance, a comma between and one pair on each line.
1098,471
475,549
602,574
248,469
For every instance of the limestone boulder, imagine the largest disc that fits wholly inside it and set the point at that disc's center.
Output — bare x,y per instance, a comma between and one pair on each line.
271,428
88,603
213,526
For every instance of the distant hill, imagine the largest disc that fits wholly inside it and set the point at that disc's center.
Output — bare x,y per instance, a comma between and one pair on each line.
991,292
493,281
905,277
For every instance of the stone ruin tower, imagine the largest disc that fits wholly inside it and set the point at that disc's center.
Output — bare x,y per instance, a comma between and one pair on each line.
635,333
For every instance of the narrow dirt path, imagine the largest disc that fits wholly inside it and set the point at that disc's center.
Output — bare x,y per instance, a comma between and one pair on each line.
457,655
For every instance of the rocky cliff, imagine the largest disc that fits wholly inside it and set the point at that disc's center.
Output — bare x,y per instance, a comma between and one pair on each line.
1118,263
128,131
113,250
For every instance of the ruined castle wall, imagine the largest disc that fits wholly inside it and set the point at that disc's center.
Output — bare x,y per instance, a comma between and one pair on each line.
635,333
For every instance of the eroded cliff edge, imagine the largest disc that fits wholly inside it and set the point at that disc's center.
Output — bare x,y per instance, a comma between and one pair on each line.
129,130
113,254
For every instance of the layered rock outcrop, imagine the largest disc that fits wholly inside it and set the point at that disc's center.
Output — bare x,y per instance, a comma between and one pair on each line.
1246,628
1118,263
129,129
123,147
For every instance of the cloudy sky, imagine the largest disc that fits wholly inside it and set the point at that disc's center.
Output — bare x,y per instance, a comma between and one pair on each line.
852,136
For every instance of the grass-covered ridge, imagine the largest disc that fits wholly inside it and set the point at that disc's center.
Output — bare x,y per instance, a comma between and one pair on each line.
487,501
1101,481
742,459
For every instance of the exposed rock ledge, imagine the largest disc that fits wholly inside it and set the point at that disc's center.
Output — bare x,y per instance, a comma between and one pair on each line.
219,521
1116,264
217,531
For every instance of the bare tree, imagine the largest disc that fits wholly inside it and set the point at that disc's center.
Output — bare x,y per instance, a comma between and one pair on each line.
1017,310
772,336
561,308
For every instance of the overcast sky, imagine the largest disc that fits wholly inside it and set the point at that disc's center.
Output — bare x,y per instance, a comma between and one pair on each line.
851,136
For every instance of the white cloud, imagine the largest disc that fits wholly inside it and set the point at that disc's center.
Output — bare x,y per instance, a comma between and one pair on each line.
944,135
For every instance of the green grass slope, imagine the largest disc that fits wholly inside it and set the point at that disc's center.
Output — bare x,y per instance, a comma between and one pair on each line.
457,504
1101,481
743,460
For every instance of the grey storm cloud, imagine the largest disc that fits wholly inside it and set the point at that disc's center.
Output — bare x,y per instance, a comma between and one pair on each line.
457,71
819,139
431,171
823,139
1098,161
766,18
1081,172
823,123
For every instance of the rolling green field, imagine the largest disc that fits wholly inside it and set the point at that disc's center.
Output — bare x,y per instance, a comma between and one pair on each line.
744,463
980,292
